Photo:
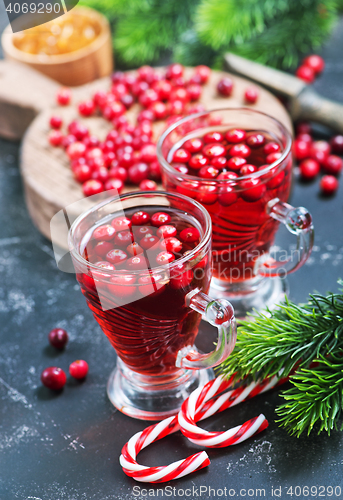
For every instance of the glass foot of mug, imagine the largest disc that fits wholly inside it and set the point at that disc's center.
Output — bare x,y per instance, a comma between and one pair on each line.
152,398
251,295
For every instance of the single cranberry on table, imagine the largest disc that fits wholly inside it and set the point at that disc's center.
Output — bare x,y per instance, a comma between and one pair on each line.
305,73
58,337
315,62
333,165
63,96
56,138
86,108
225,86
54,378
251,95
329,185
309,169
337,144
55,122
92,187
302,150
78,369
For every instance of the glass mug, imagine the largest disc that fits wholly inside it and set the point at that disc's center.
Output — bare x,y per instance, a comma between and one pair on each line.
151,314
245,210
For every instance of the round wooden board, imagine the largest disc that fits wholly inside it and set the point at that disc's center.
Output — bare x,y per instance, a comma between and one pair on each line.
48,181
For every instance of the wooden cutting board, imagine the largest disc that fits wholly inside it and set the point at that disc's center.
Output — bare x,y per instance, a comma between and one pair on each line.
27,100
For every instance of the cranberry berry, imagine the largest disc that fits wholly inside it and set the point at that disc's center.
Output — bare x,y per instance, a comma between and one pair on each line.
58,338
251,95
78,369
63,96
329,185
54,378
225,86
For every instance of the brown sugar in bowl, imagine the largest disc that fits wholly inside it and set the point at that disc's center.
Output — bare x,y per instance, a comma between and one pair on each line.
80,66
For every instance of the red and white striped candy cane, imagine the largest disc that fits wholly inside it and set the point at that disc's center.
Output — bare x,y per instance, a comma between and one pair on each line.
158,474
200,405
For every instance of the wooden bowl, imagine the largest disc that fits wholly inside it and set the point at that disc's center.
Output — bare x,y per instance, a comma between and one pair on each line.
75,68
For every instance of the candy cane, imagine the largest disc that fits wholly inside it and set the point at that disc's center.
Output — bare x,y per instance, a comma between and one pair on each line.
201,404
158,474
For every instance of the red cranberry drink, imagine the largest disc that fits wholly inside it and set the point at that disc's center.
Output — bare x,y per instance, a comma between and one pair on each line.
238,164
143,262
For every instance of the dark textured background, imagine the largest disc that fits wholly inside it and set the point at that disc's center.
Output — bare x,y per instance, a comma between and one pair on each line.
66,446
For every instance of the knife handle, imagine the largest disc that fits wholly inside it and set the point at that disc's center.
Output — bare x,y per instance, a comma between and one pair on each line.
311,106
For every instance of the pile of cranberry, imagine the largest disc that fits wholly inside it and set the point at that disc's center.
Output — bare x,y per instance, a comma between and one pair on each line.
315,157
54,377
139,242
128,153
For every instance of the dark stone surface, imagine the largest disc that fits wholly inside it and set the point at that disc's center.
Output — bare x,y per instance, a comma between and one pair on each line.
66,446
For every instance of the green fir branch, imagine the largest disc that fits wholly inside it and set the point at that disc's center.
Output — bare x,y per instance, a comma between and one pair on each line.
304,342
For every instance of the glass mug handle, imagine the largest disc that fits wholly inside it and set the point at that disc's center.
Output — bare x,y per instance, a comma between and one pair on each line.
298,221
218,313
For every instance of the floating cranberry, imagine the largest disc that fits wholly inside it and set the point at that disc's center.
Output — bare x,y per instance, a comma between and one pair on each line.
337,144
138,262
116,256
272,157
58,338
134,249
92,187
55,122
276,181
207,194
235,135
102,248
309,169
247,169
253,190
251,95
105,232
181,279
213,149
189,235
213,137
122,286
271,147
333,165
227,196
241,150
148,185
54,378
198,161
138,172
139,218
256,140
208,172
150,284
164,258
225,86
181,156
171,244
236,162
219,162
329,185
315,62
55,138
193,145
123,238
160,219
188,188
149,241
63,96
166,231
78,369
121,223
227,176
